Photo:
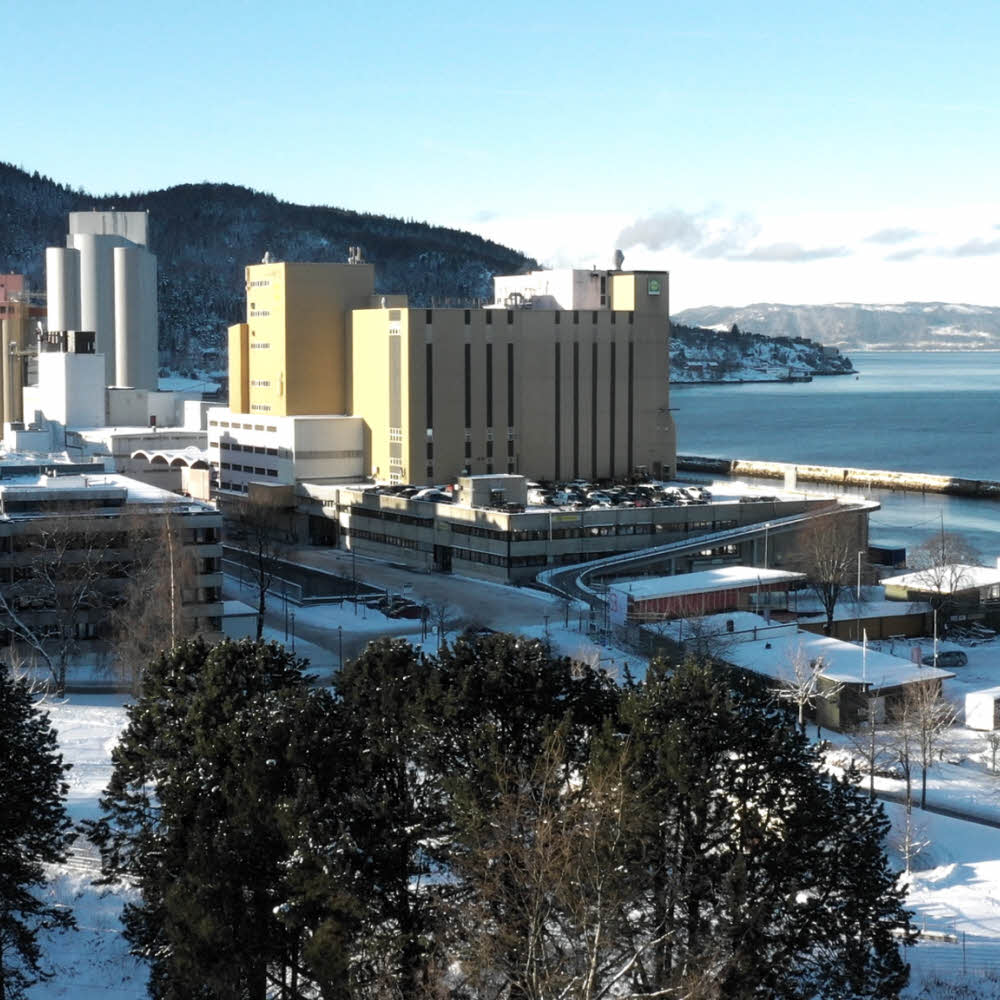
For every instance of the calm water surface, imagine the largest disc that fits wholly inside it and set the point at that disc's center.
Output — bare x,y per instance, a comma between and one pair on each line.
912,412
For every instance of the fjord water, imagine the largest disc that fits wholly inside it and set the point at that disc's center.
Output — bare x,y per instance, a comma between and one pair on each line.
912,412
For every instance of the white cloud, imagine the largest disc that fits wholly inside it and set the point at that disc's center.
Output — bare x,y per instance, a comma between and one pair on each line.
813,257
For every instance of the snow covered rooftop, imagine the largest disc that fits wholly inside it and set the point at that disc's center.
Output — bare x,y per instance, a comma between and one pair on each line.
775,652
705,581
947,579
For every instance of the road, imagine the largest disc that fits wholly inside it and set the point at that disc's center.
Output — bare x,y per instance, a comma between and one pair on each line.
468,601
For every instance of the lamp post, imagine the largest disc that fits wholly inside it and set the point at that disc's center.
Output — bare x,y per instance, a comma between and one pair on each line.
767,525
340,645
291,615
857,598
354,578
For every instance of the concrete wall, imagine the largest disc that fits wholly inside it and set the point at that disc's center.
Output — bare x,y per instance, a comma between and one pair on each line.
70,389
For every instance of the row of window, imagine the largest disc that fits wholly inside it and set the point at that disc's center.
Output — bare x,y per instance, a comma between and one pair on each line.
253,470
238,426
260,383
250,449
383,539
392,515
260,345
260,408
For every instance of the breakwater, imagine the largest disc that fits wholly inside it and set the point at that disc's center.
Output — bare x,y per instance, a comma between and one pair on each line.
915,482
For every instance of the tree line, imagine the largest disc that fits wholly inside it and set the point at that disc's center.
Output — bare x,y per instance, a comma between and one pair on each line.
493,821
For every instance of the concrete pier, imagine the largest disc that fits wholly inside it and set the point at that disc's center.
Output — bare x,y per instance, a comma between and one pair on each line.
915,482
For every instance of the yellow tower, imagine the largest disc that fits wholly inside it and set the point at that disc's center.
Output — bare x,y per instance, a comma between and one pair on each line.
288,359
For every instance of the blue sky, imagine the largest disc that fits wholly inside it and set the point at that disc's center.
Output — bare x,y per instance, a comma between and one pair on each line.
790,152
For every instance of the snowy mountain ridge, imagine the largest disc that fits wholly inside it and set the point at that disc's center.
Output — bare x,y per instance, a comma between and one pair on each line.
906,326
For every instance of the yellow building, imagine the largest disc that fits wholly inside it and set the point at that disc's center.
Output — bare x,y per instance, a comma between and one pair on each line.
549,393
288,358
572,383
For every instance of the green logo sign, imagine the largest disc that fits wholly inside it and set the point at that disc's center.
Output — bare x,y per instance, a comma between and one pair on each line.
653,286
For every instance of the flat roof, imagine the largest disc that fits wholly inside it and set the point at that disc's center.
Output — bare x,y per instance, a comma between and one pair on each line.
137,491
774,654
704,581
946,579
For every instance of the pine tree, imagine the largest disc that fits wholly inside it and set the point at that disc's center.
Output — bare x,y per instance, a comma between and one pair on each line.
34,832
769,879
219,808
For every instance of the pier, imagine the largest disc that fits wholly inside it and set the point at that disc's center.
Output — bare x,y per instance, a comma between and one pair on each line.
914,482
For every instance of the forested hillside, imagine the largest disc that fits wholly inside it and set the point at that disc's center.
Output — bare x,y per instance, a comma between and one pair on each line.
204,234
734,355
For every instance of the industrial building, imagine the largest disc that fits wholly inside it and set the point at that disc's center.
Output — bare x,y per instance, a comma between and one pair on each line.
104,282
520,388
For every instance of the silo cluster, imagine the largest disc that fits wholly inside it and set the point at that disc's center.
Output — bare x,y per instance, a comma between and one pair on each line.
104,281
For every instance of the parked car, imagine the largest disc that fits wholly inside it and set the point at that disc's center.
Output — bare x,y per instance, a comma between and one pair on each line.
946,659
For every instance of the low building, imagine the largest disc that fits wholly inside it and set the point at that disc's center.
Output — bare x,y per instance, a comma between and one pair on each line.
505,544
850,675
56,530
728,588
958,582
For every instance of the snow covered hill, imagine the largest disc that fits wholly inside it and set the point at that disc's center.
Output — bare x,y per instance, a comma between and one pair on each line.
912,326
728,355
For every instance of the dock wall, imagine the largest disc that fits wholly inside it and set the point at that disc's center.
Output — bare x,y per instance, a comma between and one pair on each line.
916,482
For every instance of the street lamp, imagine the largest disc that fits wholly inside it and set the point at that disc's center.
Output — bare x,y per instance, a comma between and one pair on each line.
767,525
340,645
857,598
291,615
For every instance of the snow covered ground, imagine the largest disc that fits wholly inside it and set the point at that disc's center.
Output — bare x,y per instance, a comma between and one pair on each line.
953,891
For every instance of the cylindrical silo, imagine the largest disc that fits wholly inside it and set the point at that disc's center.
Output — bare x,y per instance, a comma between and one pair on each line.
97,293
14,339
135,317
62,287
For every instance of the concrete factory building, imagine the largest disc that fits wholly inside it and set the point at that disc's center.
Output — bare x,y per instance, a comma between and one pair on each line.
104,281
551,386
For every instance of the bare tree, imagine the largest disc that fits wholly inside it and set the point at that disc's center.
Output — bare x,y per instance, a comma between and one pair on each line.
804,685
257,529
942,565
931,718
60,587
991,739
828,548
912,840
444,618
868,743
149,617
549,914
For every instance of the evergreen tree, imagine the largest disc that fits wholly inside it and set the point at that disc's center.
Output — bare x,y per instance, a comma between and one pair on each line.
219,808
389,695
767,879
34,832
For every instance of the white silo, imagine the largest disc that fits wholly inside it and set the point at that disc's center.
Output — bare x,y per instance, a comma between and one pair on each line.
97,292
62,288
136,359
